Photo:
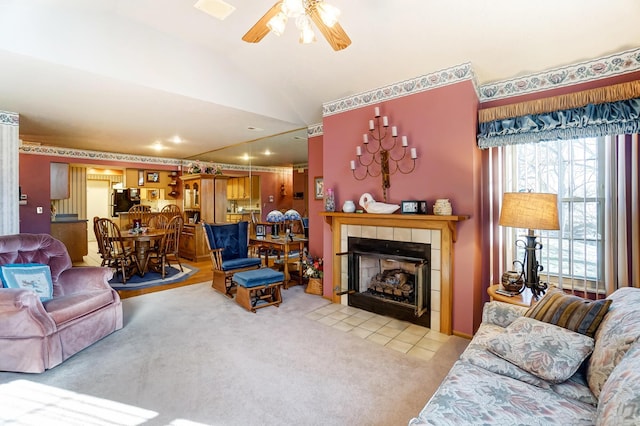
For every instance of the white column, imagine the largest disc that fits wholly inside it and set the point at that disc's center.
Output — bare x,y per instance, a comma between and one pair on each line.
9,177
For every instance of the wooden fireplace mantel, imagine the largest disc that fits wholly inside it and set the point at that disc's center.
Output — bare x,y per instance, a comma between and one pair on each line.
398,220
448,236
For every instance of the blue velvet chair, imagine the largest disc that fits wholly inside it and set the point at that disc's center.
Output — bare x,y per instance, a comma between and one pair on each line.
229,250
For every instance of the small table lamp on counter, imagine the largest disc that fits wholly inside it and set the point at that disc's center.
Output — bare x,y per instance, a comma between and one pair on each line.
530,210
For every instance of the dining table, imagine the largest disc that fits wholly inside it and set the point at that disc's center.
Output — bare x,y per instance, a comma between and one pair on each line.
283,245
142,240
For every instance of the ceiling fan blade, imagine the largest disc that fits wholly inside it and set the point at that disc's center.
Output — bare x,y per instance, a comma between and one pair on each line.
260,29
337,38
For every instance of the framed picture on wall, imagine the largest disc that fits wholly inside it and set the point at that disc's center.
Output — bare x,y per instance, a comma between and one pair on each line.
319,187
140,177
153,177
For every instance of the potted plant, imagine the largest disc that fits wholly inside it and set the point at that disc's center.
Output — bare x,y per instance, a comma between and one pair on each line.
312,269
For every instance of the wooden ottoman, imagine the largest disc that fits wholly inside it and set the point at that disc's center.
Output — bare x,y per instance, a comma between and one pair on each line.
258,288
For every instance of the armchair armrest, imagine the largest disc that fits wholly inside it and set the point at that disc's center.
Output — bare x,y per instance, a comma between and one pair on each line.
500,313
23,315
216,258
83,278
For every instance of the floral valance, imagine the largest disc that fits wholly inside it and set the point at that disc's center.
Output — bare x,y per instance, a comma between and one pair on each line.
597,112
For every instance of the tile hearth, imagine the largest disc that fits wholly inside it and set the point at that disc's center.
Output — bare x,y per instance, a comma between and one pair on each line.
400,336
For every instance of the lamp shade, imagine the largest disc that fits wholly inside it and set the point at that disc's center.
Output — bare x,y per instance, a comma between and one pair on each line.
530,210
292,215
275,216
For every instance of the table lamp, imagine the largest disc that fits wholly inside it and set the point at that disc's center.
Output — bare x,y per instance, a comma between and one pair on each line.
275,217
530,210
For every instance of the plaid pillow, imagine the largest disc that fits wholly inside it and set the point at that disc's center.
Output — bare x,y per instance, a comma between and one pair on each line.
571,312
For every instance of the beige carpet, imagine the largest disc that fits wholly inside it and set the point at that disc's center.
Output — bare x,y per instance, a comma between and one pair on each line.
189,355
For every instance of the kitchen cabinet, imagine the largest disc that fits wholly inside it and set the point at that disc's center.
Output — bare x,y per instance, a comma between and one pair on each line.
73,234
59,181
243,188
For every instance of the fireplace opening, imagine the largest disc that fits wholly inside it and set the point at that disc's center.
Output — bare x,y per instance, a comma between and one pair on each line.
390,278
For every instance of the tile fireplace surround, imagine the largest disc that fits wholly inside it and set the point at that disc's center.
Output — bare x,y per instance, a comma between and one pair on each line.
439,231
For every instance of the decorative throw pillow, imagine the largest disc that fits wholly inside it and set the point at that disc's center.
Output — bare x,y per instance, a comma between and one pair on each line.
571,312
545,350
32,276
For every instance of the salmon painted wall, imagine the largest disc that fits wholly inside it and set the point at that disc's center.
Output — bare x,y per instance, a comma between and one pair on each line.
441,124
35,181
316,222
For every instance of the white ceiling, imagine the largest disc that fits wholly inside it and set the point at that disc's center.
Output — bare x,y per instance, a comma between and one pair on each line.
119,75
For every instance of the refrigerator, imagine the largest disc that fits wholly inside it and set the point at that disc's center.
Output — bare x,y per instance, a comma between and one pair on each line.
123,199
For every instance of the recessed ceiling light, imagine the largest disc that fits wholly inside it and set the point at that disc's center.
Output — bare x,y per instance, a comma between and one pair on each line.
176,139
254,129
267,152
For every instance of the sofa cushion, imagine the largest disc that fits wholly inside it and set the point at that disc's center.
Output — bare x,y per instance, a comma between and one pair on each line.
31,276
550,352
471,395
620,397
478,354
618,331
571,312
67,308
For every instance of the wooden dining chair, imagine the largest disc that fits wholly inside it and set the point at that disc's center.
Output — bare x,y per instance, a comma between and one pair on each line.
113,251
159,221
168,247
171,210
139,212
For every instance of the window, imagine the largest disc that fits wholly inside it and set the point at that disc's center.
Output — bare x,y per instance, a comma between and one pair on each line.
571,257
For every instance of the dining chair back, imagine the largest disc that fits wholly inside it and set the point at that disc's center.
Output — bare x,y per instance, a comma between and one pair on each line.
159,221
168,247
112,249
171,210
141,213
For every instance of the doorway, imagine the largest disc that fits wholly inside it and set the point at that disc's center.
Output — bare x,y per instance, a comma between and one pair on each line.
98,203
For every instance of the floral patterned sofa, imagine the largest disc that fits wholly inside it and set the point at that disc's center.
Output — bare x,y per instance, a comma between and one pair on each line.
519,370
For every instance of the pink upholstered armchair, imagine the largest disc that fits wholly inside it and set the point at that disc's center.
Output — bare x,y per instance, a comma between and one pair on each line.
36,335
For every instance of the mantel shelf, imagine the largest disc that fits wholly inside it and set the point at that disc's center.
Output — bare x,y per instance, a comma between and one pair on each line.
397,220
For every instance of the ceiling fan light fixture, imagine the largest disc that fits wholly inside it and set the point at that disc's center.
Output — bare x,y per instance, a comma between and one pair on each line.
293,7
277,23
328,13
307,36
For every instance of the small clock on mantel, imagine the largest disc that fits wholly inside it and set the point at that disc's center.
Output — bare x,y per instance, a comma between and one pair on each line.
413,207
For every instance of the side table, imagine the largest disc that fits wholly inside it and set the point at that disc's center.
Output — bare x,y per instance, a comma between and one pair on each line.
523,299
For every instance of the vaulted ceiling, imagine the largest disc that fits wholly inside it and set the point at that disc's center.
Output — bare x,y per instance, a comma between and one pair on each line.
127,75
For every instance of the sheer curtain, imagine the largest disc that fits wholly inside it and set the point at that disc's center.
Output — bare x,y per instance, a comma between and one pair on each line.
622,213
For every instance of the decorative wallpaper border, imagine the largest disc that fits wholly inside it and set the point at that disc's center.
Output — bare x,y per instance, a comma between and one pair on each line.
595,69
445,77
315,130
9,118
81,154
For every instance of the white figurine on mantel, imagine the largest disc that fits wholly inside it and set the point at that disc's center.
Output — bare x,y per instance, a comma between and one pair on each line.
372,206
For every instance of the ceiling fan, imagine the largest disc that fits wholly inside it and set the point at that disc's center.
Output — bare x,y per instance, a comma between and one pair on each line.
324,15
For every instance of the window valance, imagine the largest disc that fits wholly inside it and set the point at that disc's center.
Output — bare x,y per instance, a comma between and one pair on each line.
604,111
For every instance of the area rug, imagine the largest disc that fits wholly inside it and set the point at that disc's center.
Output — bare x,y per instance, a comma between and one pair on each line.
151,279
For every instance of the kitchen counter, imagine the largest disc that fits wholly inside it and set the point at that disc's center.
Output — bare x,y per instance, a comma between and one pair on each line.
73,234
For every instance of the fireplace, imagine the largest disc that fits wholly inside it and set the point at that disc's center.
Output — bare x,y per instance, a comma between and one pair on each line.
390,278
